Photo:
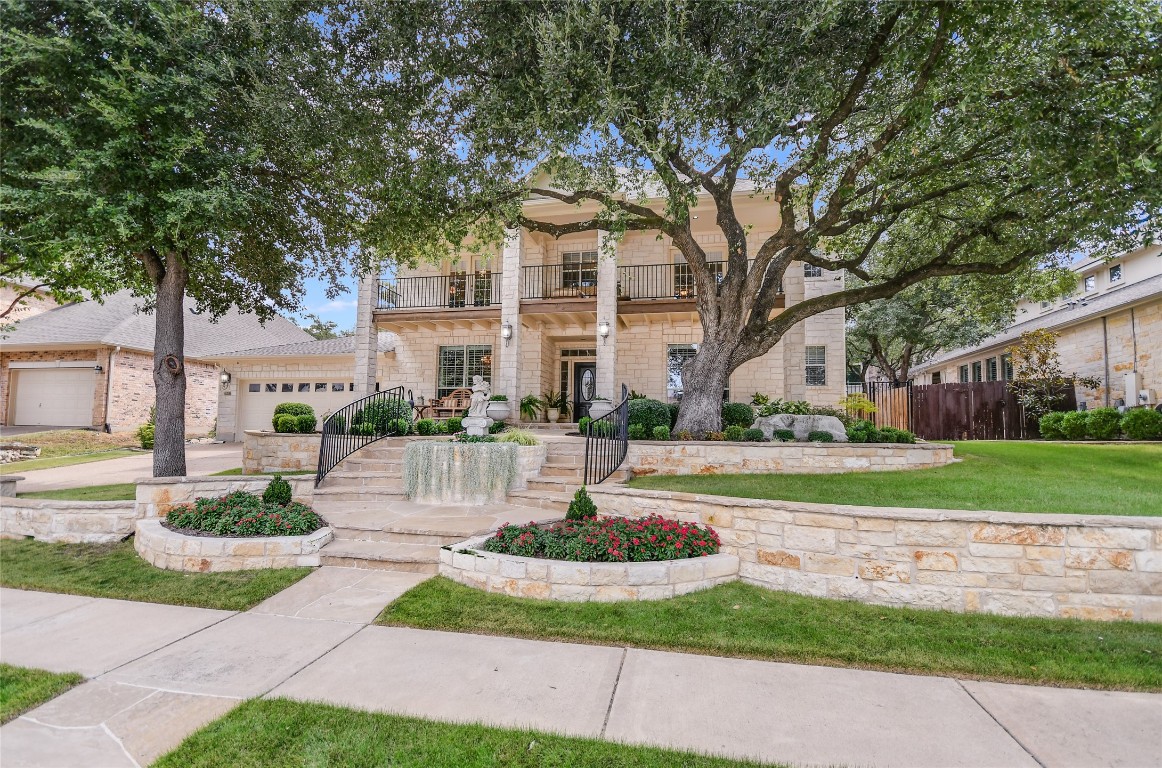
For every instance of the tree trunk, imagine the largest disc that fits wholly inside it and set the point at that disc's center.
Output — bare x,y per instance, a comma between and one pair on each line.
704,379
169,369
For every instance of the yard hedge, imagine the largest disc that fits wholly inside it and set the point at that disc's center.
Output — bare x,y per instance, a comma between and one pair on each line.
648,414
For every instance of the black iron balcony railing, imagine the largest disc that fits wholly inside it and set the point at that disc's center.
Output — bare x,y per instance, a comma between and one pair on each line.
465,289
559,281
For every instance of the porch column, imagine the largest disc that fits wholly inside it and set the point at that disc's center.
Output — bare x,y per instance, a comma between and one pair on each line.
366,334
508,373
607,313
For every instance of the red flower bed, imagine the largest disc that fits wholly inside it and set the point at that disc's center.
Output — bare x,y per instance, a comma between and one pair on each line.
607,540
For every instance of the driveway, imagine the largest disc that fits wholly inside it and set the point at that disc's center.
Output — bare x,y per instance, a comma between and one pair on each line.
200,460
7,432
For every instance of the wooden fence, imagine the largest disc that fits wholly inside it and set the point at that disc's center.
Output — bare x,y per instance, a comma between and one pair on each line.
893,404
980,410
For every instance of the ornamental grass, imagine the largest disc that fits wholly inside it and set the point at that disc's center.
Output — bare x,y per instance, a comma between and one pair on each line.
607,540
244,514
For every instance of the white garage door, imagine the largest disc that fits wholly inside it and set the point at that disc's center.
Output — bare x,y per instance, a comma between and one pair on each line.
56,397
258,399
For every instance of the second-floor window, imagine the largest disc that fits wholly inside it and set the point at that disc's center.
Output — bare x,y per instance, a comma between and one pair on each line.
1090,283
810,270
1115,274
579,269
684,286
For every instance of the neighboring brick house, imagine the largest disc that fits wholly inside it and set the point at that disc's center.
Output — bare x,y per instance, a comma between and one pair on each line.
90,364
16,299
1109,328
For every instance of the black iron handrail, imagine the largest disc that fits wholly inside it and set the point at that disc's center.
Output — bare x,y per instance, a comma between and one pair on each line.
559,281
607,442
466,289
664,281
361,423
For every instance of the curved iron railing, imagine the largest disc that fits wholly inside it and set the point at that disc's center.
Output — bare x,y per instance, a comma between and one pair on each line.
360,423
607,442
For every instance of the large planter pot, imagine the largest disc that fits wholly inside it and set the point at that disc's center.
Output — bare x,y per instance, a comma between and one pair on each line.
599,408
553,415
497,410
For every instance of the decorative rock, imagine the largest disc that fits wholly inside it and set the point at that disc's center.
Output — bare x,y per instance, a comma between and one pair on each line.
801,426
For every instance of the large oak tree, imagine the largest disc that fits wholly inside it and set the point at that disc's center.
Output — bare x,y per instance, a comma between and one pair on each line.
899,141
176,149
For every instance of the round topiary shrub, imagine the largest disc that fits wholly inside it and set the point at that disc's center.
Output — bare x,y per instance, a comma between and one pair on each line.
753,435
426,427
1103,424
285,422
661,433
784,435
291,409
734,433
1073,425
1142,424
737,414
636,431
454,424
306,423
381,412
819,436
893,435
1050,426
363,430
648,414
863,431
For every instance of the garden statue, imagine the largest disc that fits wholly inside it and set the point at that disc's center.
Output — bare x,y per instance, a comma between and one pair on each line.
477,421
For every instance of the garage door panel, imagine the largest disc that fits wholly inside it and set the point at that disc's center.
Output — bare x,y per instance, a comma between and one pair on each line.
54,397
257,407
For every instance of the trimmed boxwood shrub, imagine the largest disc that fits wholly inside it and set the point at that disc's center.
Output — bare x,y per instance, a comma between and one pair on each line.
753,435
285,422
648,414
381,412
1142,424
455,424
661,433
863,431
363,430
1050,426
278,492
740,414
581,507
1103,424
290,409
734,433
893,435
819,436
306,423
607,540
1073,425
426,427
244,514
636,432
583,425
145,435
786,435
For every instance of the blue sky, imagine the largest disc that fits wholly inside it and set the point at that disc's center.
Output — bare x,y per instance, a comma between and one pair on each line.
340,310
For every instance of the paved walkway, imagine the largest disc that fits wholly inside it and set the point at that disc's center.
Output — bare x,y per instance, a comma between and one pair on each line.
159,672
200,460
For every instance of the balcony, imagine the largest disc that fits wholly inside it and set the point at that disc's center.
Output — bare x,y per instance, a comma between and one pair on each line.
462,290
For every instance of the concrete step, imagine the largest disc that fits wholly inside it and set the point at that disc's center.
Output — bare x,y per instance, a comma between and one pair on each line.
397,537
549,501
562,470
394,556
567,485
366,495
389,480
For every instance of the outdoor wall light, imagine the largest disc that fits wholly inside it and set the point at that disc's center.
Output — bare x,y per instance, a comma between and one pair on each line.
225,377
603,331
98,368
506,332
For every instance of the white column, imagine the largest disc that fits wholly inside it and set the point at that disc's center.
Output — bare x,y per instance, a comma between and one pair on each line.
508,372
366,334
607,313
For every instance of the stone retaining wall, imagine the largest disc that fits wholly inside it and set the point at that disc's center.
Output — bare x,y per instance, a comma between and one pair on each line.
648,457
73,522
156,496
279,452
990,562
580,582
174,551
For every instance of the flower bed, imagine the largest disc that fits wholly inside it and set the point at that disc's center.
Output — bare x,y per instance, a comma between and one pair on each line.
607,540
243,514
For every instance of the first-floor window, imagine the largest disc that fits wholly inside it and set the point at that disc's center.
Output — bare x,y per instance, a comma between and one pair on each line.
676,357
977,371
816,370
935,377
963,374
1007,367
990,370
459,364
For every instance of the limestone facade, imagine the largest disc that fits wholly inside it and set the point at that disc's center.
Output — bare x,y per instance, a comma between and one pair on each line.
173,551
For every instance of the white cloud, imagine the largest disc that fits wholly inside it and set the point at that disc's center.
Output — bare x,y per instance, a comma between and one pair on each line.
333,306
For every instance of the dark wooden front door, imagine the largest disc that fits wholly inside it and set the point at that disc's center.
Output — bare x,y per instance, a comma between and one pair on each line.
584,388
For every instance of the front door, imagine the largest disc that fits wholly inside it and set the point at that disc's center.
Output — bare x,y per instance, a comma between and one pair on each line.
584,388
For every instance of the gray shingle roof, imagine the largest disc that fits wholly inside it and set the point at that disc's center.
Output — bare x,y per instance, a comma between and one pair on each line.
344,345
117,322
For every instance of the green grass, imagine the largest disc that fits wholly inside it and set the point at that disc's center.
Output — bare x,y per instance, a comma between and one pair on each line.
1002,476
115,570
746,621
278,733
17,467
22,689
115,492
238,471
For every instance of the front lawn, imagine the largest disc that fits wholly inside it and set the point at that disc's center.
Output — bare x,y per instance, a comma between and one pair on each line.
22,689
115,492
115,570
276,732
742,620
1002,476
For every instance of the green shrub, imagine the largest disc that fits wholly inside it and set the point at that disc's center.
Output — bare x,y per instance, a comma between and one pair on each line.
674,407
306,423
382,412
286,423
441,427
819,436
1050,426
611,539
290,409
648,414
753,435
1103,424
1073,425
1142,424
336,423
277,492
737,414
893,435
363,430
518,436
464,437
636,432
244,514
425,427
795,407
454,425
145,435
785,435
863,431
498,399
581,507
599,428
583,424
661,433
496,427
734,433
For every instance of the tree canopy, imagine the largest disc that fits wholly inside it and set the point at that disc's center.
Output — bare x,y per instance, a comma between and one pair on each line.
899,141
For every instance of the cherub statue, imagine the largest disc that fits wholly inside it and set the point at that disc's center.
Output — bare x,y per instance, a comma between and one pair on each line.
481,391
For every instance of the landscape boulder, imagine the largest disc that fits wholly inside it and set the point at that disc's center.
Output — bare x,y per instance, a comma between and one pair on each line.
801,426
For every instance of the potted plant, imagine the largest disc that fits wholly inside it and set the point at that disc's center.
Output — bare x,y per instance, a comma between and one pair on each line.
531,407
600,407
556,405
497,407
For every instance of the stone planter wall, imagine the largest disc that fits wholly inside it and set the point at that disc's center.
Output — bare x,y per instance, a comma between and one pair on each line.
648,457
579,582
174,551
279,452
156,496
990,562
530,458
73,522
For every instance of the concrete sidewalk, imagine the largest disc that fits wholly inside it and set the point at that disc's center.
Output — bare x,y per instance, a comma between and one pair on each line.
200,460
159,672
